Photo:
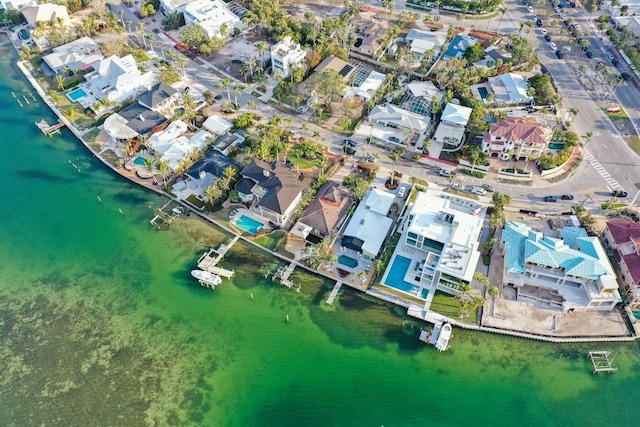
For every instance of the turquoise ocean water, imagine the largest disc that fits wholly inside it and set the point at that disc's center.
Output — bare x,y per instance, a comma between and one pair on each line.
101,324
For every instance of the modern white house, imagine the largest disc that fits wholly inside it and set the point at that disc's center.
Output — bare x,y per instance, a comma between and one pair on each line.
173,147
77,55
369,225
286,54
217,125
46,12
571,273
453,123
172,6
211,15
438,248
392,116
117,79
368,87
15,4
509,88
516,137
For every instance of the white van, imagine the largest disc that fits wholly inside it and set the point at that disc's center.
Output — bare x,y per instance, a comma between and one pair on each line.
479,190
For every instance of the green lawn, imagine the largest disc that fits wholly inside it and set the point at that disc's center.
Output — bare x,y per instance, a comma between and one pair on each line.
449,306
612,205
615,116
462,193
270,241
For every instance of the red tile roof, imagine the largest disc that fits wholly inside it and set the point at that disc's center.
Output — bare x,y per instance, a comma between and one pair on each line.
623,230
633,265
516,129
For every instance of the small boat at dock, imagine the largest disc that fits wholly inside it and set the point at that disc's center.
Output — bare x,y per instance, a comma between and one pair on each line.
206,278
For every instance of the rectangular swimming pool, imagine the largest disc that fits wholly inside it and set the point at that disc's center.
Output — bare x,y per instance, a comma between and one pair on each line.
395,278
249,224
77,94
483,92
348,261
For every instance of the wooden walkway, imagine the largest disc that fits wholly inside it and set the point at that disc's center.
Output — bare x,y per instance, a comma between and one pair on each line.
334,292
209,262
283,273
49,129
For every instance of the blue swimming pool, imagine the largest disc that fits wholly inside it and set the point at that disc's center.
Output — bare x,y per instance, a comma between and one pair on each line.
77,94
249,224
139,161
24,34
483,92
348,261
395,279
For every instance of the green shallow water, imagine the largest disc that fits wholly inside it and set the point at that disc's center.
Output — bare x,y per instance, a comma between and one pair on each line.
101,324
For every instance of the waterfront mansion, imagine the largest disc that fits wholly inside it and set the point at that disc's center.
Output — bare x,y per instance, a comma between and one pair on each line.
438,247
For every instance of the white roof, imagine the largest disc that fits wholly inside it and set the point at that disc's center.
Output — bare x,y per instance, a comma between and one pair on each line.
162,141
45,12
421,41
368,87
217,124
400,117
75,54
118,78
456,114
509,87
370,222
210,15
426,90
447,130
174,150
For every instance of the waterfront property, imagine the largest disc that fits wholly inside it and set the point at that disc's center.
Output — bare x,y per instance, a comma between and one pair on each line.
623,238
76,95
249,224
438,248
46,12
369,225
80,54
570,272
326,213
276,190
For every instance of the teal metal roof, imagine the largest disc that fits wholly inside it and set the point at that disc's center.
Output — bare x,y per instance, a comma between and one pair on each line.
578,254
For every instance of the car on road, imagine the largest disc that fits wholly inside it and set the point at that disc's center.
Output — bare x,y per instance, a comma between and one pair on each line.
302,109
547,37
525,2
550,199
444,172
401,192
457,186
538,23
553,46
559,54
349,142
619,193
615,62
543,31
610,56
563,16
556,9
371,158
349,150
572,4
625,76
529,9
567,197
487,187
394,139
589,54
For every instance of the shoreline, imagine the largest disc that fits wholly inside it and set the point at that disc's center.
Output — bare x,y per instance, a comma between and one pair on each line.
413,310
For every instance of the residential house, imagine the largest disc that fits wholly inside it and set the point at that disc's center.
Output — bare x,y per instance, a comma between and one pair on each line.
509,89
369,225
227,141
286,54
516,137
161,97
437,249
623,238
396,125
206,171
453,123
421,41
420,96
338,65
571,273
173,6
325,214
79,54
217,125
46,12
117,79
370,34
212,16
276,189
368,88
493,53
459,45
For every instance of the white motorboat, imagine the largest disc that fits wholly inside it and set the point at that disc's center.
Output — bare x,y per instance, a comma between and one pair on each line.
206,277
442,342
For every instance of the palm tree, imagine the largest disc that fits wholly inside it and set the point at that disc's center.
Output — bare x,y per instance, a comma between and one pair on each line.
229,175
162,168
480,278
394,157
503,11
149,164
261,46
225,83
474,154
213,193
493,292
60,82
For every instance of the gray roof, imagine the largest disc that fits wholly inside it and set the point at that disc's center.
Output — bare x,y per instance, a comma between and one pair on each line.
214,163
156,95
141,119
328,209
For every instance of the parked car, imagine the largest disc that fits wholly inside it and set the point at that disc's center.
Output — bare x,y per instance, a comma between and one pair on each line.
543,31
553,46
371,158
444,172
456,186
303,109
349,150
559,54
538,23
619,193
563,16
479,191
529,9
567,197
394,139
556,9
547,37
551,199
401,192
487,187
589,54
610,56
625,76
572,4
349,142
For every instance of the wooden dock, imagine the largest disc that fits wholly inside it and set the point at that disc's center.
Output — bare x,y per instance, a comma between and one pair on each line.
49,130
209,260
334,292
601,361
283,273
